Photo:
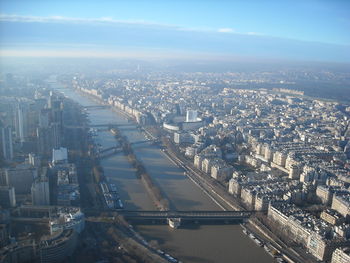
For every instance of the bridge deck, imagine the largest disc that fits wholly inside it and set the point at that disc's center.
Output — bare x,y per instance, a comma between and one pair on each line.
187,214
112,125
109,149
97,107
105,125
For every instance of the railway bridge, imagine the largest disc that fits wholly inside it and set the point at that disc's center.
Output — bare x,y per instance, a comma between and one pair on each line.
201,217
196,215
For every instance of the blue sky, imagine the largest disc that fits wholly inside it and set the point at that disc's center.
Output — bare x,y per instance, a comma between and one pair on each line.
301,30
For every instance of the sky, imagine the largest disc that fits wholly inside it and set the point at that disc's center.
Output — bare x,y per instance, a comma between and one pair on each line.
313,30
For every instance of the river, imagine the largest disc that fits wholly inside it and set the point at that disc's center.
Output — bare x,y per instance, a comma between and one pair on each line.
191,243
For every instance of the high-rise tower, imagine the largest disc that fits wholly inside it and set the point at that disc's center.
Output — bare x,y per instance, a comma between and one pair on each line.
6,143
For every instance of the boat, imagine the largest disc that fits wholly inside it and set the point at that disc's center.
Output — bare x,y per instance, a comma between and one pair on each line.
113,188
267,249
109,200
104,188
251,236
174,222
258,242
280,260
114,131
244,229
115,195
170,258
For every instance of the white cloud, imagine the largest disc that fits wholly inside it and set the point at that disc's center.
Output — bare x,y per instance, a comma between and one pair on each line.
254,34
226,30
63,19
155,53
111,21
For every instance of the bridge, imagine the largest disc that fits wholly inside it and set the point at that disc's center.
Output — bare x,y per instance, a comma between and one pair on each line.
144,141
161,217
105,125
112,125
117,148
109,154
109,149
96,107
